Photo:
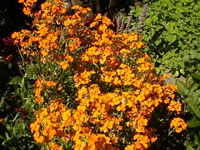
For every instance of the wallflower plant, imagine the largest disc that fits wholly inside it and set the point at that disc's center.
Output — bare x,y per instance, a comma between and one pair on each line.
94,88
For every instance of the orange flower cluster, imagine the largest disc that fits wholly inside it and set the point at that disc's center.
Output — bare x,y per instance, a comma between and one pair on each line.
178,124
116,87
175,106
39,85
65,64
82,78
28,4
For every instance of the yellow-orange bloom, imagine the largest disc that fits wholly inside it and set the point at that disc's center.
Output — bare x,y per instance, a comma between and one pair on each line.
175,106
178,124
54,146
50,83
27,10
44,53
64,65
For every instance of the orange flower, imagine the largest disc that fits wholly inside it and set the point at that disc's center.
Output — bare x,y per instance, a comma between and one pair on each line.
93,24
77,7
141,139
74,43
66,115
44,53
52,37
83,78
39,100
68,22
64,65
130,147
172,87
103,27
107,21
69,58
82,92
55,8
42,30
178,124
27,11
21,1
54,146
39,139
50,83
98,17
39,83
175,106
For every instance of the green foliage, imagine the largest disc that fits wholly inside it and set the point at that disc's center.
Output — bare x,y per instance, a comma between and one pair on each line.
194,144
171,31
190,92
17,136
16,107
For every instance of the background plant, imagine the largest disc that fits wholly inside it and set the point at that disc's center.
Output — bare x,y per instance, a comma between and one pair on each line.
171,31
190,92
16,107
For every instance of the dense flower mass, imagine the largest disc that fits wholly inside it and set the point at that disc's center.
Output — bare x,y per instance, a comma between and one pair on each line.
115,87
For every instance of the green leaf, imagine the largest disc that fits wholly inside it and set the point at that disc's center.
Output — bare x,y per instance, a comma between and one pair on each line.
195,55
194,123
171,38
148,21
170,27
7,136
15,80
191,101
196,140
189,147
176,74
182,71
196,76
189,82
197,94
2,138
182,89
193,88
31,72
155,18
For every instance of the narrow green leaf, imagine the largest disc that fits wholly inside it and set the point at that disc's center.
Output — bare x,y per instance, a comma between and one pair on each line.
189,147
1,137
196,140
189,82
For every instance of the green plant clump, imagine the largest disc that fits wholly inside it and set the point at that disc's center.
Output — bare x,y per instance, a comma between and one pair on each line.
172,30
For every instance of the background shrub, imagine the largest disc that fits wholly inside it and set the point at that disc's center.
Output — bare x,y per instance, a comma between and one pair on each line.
171,31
